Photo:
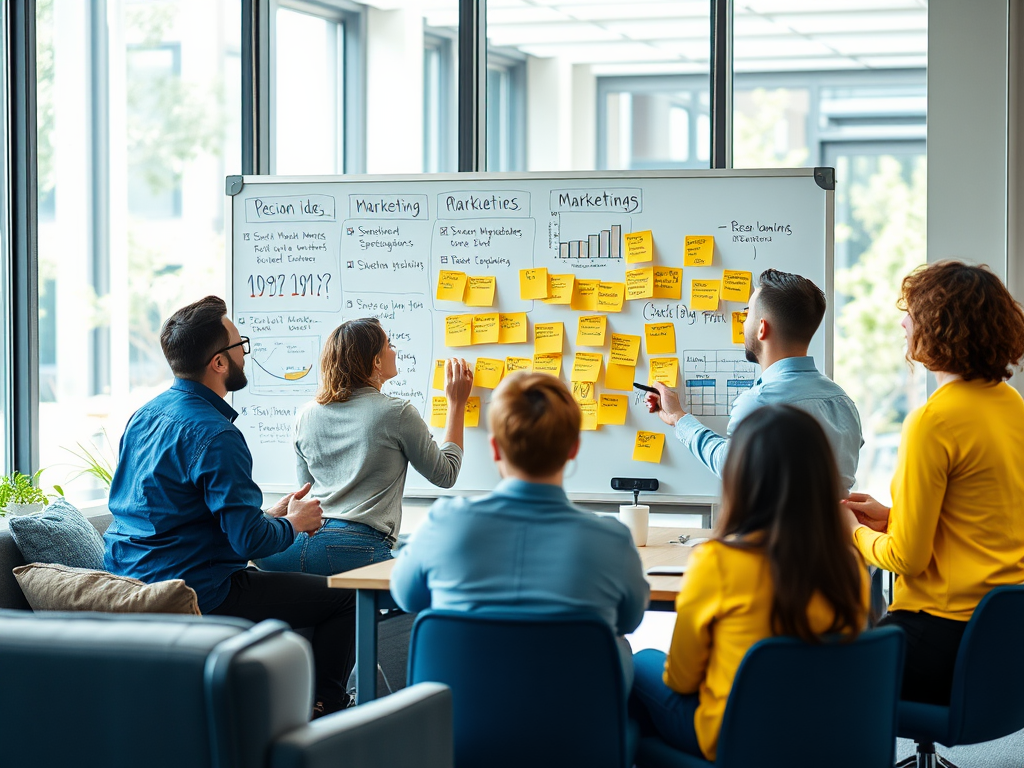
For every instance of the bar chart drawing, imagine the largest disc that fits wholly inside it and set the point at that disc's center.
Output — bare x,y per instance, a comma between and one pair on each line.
715,378
591,236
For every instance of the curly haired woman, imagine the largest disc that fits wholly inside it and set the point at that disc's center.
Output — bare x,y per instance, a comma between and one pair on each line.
956,526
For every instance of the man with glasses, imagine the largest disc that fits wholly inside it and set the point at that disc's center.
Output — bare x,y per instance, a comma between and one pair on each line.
185,505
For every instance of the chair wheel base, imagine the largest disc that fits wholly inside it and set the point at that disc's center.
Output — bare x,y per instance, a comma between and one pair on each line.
926,757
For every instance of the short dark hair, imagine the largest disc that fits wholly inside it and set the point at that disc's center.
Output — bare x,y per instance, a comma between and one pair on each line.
792,304
965,321
193,335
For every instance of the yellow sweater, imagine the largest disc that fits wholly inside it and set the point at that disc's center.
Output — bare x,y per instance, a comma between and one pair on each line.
723,608
956,529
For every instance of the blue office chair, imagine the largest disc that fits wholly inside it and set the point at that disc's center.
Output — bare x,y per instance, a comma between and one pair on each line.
527,690
794,704
987,700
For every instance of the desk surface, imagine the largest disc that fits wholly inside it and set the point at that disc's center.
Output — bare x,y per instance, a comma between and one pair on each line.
657,552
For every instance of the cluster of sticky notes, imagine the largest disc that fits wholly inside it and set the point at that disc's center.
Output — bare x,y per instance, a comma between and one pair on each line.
439,412
668,283
586,366
560,289
490,328
610,296
738,319
471,291
488,372
533,283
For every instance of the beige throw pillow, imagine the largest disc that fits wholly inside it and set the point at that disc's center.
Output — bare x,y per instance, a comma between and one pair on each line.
53,587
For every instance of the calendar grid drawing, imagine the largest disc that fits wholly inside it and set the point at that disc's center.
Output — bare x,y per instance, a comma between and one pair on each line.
714,378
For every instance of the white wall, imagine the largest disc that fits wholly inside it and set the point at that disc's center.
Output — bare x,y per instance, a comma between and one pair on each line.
967,131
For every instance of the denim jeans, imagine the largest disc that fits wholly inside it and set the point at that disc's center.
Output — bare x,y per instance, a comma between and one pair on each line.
340,545
660,710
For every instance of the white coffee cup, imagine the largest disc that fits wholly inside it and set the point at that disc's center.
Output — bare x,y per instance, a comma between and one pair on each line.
636,517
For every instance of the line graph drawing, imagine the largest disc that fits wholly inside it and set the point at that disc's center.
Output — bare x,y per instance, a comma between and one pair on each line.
285,365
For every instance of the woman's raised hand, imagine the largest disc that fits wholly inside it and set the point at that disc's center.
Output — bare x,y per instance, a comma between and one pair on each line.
458,380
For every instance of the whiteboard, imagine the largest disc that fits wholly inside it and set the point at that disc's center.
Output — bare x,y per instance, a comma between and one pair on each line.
307,253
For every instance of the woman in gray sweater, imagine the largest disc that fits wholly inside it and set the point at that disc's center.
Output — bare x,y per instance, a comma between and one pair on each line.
355,444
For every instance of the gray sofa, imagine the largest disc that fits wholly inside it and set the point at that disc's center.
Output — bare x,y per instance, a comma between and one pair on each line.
11,596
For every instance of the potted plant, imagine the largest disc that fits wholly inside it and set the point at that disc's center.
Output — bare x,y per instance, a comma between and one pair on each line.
19,494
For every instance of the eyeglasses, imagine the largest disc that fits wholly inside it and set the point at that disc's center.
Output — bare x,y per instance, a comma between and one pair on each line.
244,344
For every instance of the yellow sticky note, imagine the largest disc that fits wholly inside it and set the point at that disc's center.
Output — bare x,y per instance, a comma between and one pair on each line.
547,338
586,366
584,295
590,331
640,283
438,411
583,391
458,330
609,297
619,377
589,421
512,328
548,363
648,446
450,285
738,319
661,338
611,409
438,375
735,285
480,291
486,328
560,289
665,370
704,294
488,372
625,348
639,247
668,283
700,250
533,283
472,418
513,364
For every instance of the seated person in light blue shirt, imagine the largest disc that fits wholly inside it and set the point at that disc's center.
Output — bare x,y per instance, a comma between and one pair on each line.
782,317
524,546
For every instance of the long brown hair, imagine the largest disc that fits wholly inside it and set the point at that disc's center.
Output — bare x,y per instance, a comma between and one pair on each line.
780,493
347,360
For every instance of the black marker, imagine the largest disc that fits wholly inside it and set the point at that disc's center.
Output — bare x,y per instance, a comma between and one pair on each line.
644,387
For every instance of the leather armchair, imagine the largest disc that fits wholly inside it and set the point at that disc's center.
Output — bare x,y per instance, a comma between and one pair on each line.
170,691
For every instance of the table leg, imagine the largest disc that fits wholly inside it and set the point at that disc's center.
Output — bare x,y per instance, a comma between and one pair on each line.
366,645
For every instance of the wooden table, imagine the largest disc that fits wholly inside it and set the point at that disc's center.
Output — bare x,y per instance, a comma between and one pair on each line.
372,584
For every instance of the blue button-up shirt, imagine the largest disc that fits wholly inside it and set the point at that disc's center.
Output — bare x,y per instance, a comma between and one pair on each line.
183,499
523,547
791,381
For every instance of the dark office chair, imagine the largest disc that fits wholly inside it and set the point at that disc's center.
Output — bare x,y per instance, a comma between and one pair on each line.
987,700
122,691
795,705
527,690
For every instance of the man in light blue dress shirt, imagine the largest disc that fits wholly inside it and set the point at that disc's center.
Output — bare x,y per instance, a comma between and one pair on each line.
524,547
783,314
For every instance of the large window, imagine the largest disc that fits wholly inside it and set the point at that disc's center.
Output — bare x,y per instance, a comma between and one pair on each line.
138,123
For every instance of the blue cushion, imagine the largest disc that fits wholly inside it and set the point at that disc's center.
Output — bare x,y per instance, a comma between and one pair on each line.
59,534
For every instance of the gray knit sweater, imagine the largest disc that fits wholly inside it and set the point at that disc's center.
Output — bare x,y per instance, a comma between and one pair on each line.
356,455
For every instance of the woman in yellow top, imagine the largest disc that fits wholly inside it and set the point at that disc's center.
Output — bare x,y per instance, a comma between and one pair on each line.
779,564
956,526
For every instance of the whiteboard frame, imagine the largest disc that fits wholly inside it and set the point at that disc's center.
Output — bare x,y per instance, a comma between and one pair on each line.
235,184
